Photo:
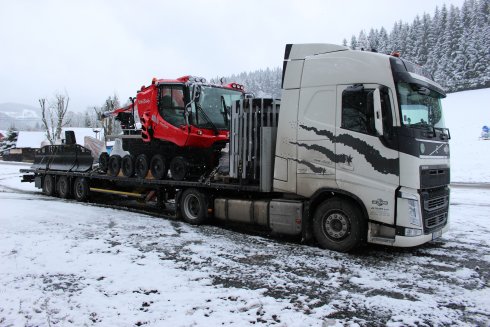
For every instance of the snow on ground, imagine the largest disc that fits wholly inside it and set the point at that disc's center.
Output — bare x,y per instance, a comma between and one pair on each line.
65,263
465,114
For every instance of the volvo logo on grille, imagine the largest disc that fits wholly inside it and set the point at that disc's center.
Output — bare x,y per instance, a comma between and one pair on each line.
379,202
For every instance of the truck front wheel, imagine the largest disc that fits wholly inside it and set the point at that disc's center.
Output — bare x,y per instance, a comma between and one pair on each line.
194,206
338,225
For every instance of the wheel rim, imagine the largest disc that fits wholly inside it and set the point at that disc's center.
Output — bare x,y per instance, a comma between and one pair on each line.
63,186
48,185
79,189
336,225
192,206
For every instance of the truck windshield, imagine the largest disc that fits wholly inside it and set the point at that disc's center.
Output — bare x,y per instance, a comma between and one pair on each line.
419,106
214,104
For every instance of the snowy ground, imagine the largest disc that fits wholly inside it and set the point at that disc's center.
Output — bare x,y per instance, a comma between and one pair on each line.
65,263
465,114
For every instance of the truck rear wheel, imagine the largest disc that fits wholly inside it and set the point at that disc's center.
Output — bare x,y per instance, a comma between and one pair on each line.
81,189
127,165
338,225
48,185
141,166
63,187
194,206
114,165
158,167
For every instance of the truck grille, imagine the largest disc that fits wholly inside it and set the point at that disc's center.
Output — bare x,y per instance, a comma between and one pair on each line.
435,204
433,222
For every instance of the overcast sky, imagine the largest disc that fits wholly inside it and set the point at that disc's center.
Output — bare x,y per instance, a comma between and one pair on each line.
91,49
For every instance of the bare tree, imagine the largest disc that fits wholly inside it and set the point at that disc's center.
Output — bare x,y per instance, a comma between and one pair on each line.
54,116
108,122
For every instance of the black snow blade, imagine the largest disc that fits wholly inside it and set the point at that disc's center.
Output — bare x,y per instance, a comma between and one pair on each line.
65,157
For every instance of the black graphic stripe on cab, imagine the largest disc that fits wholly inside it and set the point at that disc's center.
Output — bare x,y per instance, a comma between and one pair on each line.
372,156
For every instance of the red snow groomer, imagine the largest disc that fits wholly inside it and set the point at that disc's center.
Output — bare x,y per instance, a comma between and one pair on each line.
184,124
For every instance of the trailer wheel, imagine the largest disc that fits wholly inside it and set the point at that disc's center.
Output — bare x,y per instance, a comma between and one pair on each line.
338,225
141,166
178,168
63,187
127,165
194,206
48,185
104,161
81,189
114,165
158,167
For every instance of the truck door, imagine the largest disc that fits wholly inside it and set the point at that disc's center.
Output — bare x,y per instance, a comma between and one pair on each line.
171,122
316,149
366,165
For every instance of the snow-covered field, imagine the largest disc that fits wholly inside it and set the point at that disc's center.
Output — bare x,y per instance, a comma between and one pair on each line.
465,114
65,263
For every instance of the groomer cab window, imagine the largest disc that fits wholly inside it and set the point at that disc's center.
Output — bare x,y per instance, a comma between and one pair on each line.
171,104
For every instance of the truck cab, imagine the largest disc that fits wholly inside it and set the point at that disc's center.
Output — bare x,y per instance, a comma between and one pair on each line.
369,141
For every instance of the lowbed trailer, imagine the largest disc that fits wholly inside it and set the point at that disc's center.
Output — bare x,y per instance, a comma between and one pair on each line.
355,151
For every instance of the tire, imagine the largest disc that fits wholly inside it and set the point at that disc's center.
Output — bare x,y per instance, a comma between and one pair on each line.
158,167
127,165
339,225
81,189
194,207
63,187
141,166
104,161
48,185
178,168
114,165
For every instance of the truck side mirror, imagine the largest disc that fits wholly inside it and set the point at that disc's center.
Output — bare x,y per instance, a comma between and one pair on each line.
378,115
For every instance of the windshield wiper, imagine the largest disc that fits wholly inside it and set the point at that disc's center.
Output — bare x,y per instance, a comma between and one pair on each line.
213,126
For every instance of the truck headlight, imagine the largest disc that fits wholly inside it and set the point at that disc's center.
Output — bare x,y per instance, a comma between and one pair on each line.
413,212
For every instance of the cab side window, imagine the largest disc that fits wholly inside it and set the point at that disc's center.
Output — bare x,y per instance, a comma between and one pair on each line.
171,104
358,110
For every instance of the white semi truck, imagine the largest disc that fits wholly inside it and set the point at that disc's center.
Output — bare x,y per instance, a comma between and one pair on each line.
355,151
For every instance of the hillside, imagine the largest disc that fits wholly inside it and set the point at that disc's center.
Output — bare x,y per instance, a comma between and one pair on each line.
21,116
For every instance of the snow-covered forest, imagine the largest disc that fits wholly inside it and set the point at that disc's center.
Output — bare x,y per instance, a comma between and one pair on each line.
452,43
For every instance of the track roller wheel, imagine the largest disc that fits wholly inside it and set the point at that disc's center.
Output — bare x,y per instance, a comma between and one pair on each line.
114,165
63,187
104,161
179,168
141,166
48,185
81,189
194,206
127,165
158,167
